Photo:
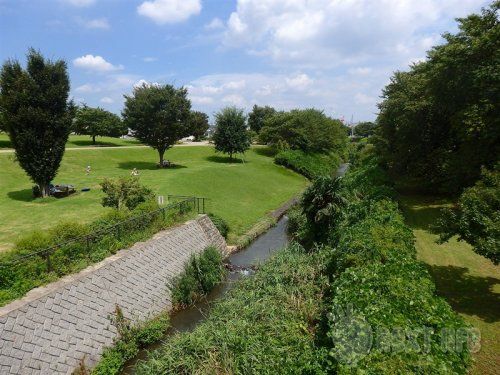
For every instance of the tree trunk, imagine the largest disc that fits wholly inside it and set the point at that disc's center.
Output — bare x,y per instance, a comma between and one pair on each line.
44,190
231,156
93,139
161,153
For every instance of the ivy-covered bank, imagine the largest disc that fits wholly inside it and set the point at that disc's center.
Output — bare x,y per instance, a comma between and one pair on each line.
348,296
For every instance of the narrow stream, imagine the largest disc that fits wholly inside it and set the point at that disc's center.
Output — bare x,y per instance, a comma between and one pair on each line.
240,263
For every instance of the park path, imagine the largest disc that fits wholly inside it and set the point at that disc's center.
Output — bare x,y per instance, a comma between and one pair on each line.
191,144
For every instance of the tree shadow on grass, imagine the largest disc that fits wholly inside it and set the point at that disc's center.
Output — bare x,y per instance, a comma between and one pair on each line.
5,144
146,165
421,214
224,159
89,143
25,195
468,294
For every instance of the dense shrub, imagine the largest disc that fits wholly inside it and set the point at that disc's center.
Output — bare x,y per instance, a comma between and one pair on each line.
308,164
266,325
220,224
125,192
130,340
476,216
78,246
201,274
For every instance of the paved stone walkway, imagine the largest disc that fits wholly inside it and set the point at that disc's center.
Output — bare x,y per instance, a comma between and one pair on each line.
53,328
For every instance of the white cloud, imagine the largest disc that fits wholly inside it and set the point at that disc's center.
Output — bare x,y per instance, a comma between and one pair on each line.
95,63
326,33
143,82
169,11
87,88
299,81
215,24
107,100
79,3
96,23
149,59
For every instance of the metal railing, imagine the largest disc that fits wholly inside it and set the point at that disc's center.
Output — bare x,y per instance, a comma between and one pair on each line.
182,203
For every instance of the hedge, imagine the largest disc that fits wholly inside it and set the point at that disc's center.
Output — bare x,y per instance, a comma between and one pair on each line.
308,164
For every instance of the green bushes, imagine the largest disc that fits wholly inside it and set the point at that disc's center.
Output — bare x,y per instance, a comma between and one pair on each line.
78,246
220,224
130,340
308,164
265,325
201,274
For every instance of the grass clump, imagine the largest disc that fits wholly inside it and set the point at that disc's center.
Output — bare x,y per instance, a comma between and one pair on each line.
129,341
201,274
266,325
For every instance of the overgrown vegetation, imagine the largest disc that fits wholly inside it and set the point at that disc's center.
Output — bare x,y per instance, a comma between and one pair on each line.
439,122
201,274
129,341
78,245
125,192
266,325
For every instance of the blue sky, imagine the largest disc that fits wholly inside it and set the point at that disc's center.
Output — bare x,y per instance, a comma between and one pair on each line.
335,55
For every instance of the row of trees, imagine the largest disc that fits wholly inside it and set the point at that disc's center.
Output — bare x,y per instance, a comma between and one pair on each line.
440,121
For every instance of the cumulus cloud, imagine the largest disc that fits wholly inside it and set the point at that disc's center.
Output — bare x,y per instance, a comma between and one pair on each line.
87,88
215,24
96,23
329,33
169,11
95,63
107,100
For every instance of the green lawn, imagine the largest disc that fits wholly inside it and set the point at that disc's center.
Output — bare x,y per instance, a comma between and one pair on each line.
239,192
81,141
469,282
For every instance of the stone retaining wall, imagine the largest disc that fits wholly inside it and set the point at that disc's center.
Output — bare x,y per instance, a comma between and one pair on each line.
52,328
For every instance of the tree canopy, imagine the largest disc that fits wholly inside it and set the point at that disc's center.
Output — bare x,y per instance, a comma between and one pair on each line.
198,125
98,122
440,121
258,116
231,135
158,115
309,130
37,114
365,129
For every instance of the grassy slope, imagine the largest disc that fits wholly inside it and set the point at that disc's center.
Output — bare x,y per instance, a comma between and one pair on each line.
239,192
469,282
80,141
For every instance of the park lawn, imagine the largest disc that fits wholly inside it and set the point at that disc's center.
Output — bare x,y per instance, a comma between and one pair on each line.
81,141
239,192
468,281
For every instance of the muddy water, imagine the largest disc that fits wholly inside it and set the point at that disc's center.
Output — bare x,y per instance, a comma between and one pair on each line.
240,263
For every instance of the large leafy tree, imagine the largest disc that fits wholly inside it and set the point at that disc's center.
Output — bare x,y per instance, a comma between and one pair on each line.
258,116
158,115
365,129
309,130
231,135
98,122
37,114
198,124
440,122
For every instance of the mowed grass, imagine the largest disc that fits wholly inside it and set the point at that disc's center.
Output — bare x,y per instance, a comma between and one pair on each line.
240,192
469,282
81,141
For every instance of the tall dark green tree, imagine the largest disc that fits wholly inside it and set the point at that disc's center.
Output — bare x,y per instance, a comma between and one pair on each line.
231,135
158,115
198,125
440,121
365,129
97,122
37,114
258,116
